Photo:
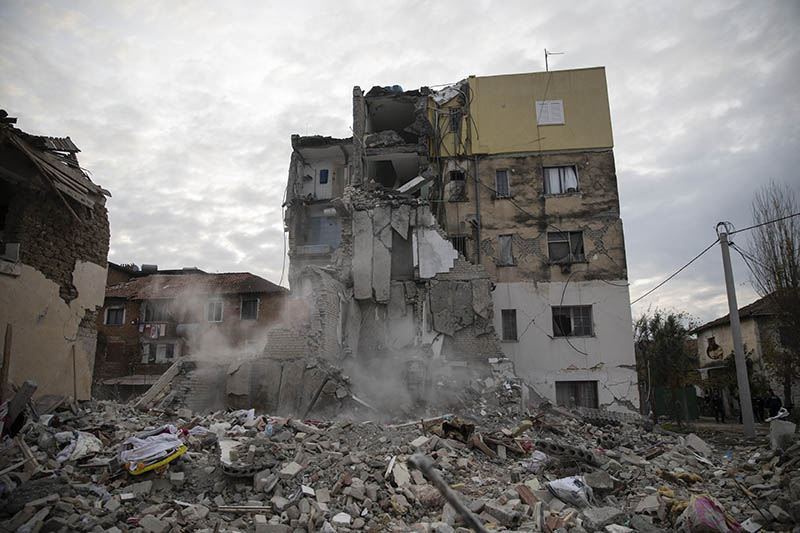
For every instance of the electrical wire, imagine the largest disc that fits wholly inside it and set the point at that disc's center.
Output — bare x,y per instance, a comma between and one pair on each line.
695,258
763,224
746,262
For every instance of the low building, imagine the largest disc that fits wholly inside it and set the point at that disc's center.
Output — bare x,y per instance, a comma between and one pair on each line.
156,316
760,333
54,237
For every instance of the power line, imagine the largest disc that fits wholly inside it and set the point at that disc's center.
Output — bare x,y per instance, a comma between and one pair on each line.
676,272
763,223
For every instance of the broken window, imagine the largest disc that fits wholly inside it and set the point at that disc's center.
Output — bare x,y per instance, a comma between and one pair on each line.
459,242
214,311
509,324
577,393
156,311
323,176
115,316
560,180
456,114
249,309
456,175
502,189
170,351
456,187
504,243
565,247
572,321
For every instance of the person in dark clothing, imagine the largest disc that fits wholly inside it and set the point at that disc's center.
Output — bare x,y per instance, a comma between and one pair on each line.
773,403
758,408
719,410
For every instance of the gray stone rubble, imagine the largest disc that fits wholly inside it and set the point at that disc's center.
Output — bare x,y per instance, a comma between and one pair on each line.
351,475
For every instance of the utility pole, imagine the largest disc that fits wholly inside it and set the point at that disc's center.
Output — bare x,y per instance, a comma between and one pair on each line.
742,380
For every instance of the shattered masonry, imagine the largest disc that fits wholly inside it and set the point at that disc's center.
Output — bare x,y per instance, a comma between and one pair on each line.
54,237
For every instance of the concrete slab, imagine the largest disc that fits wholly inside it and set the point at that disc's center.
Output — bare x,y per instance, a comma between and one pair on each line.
362,255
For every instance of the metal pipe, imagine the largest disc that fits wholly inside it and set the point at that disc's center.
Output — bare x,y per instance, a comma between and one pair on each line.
424,464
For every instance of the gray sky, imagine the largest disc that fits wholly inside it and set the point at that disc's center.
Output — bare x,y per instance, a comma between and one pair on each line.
184,110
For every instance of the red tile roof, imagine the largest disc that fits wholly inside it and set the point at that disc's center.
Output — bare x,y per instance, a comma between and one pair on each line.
171,286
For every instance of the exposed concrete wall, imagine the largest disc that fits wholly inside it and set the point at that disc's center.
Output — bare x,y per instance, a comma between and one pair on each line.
45,328
542,359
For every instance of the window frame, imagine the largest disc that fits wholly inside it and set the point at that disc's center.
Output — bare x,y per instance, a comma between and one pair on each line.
459,244
512,260
571,256
114,308
241,308
157,311
564,191
550,113
214,302
506,317
573,310
327,176
497,193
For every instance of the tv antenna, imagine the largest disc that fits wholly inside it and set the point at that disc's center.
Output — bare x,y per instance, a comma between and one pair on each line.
546,54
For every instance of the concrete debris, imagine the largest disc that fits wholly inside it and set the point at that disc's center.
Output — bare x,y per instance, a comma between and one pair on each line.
247,471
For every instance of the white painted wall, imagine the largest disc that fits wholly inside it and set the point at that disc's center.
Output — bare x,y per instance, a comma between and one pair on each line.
541,359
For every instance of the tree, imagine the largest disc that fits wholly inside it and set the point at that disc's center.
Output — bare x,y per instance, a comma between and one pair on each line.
774,260
664,354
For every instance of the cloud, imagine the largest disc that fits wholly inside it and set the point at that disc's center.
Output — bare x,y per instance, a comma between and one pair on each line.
185,110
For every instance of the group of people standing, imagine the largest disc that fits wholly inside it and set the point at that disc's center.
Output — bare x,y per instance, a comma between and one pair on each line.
770,402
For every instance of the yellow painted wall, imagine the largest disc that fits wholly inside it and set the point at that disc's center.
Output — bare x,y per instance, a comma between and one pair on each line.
45,328
503,110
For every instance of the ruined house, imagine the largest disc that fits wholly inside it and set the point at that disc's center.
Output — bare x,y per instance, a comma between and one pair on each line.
465,225
152,317
53,247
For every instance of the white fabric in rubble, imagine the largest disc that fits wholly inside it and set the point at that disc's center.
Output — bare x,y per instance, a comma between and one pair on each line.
149,449
82,445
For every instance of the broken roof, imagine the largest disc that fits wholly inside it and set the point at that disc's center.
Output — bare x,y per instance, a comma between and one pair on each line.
57,165
170,286
761,307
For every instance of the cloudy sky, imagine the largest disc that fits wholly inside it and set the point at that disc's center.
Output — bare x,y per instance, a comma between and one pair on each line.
184,110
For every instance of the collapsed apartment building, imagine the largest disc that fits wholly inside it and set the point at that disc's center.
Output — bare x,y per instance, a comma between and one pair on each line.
463,228
54,238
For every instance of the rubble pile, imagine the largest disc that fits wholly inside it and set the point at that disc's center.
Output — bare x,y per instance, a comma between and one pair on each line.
105,466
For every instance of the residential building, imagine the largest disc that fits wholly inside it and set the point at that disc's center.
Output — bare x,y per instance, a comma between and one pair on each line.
54,237
519,174
152,317
760,333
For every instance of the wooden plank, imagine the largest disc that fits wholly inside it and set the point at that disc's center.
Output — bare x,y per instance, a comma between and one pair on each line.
159,385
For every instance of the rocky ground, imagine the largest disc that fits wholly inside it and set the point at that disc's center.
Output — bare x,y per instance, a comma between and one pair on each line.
547,469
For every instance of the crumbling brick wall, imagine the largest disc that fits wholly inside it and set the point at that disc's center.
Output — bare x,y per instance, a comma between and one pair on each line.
52,240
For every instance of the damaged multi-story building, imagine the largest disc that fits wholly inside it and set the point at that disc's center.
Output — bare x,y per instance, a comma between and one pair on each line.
54,238
152,317
474,223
